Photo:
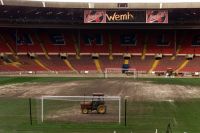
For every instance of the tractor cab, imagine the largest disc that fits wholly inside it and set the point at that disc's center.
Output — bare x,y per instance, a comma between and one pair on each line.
97,104
97,100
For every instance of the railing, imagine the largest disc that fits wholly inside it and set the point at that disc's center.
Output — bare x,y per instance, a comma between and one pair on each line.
95,73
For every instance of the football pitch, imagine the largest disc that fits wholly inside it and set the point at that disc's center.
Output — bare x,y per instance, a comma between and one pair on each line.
143,116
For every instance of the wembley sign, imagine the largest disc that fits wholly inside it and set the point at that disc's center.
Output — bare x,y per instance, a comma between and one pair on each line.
125,16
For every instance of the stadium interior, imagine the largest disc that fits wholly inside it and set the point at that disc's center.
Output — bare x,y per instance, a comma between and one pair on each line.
87,66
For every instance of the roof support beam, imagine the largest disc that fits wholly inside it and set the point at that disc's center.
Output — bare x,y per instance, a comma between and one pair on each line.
2,3
91,5
161,5
43,4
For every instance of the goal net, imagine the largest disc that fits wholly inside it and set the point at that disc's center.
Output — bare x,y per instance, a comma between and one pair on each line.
120,72
69,109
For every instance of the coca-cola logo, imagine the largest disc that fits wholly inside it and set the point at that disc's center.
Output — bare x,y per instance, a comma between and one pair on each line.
94,16
156,16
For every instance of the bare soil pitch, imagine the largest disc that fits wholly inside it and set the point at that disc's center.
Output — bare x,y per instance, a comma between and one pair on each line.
136,90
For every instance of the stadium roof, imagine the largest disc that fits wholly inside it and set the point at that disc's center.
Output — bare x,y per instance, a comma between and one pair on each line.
104,3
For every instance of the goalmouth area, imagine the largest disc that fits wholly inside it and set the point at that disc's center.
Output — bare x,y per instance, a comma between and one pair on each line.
112,110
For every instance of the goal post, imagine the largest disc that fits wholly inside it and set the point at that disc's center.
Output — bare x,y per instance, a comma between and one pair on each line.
79,99
120,72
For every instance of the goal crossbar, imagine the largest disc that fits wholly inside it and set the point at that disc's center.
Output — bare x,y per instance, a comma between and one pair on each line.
79,98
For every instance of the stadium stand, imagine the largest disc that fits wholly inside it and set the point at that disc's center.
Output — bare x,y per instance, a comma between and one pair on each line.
85,63
94,42
35,47
55,63
166,63
8,64
4,47
192,66
29,64
48,44
160,42
116,62
70,44
6,38
7,68
30,45
125,43
189,45
141,65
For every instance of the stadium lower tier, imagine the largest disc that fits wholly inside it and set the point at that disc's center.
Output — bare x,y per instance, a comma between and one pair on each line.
88,63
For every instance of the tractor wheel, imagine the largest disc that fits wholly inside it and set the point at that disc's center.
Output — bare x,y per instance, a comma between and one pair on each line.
84,111
101,109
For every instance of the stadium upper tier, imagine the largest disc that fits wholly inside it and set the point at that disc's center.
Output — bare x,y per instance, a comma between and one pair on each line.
95,50
167,42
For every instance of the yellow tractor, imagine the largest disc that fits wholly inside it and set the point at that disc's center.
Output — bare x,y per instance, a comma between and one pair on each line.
97,104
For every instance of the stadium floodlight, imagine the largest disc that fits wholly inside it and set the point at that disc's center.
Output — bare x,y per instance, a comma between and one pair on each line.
122,1
44,101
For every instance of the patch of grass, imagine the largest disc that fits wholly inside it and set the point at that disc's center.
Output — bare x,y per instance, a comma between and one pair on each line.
14,80
173,81
142,117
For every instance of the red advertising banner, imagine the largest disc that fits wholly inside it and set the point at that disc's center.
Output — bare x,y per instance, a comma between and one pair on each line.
94,16
156,16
